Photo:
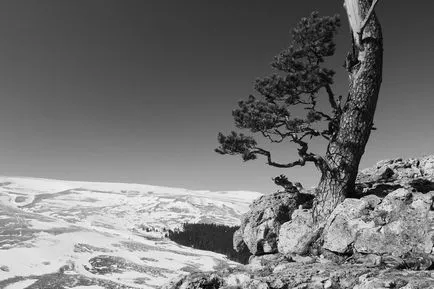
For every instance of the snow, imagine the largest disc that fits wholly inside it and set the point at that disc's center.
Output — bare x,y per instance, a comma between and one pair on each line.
21,284
88,287
67,223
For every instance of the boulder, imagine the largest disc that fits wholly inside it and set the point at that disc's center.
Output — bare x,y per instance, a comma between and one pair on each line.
426,165
399,225
261,225
345,222
403,226
296,235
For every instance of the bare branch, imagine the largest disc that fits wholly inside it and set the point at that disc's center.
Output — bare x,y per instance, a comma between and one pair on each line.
300,162
302,152
313,107
311,132
271,139
308,157
331,97
323,114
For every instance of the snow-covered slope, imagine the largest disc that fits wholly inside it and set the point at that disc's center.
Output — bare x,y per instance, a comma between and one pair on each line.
63,234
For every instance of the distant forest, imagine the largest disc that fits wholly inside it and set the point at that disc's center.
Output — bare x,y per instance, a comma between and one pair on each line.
211,237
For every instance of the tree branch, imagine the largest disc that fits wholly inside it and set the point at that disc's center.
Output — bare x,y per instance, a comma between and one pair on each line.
323,114
312,132
268,136
309,157
300,162
331,97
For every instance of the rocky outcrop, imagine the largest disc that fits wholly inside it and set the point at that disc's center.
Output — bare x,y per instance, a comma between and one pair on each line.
401,226
261,225
393,216
389,175
385,227
280,274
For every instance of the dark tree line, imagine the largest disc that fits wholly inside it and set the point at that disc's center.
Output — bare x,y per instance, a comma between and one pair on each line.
210,237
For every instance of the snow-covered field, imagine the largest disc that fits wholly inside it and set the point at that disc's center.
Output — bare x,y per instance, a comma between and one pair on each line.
83,235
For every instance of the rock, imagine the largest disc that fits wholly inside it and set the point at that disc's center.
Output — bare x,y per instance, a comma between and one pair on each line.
257,262
4,268
399,225
345,222
260,226
296,235
426,165
328,284
197,281
238,241
303,259
369,260
237,279
308,276
422,185
258,285
402,226
387,176
383,174
280,268
395,281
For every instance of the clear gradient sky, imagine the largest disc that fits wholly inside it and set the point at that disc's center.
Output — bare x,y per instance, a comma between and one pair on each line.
136,91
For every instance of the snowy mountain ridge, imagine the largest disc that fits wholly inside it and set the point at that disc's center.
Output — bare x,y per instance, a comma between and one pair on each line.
104,234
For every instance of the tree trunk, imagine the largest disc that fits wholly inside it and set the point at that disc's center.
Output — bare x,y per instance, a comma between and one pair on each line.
347,146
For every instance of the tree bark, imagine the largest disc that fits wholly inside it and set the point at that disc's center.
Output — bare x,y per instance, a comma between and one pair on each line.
356,121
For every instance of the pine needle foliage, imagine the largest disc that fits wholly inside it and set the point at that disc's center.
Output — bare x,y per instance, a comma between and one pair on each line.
299,78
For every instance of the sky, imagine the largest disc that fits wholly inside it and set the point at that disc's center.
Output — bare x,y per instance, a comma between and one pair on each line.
136,91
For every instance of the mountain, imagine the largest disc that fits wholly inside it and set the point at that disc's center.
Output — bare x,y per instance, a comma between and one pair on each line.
65,234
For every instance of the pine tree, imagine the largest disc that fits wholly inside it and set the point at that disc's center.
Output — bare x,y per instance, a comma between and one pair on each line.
300,78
